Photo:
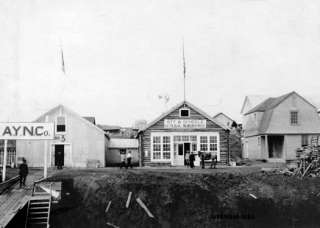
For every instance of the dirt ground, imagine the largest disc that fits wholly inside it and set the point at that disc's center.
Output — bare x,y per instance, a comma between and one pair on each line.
186,198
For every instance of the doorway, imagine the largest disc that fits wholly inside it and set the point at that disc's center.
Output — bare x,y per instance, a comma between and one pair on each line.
59,155
186,153
183,150
275,145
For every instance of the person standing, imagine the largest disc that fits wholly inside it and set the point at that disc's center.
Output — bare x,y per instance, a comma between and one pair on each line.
129,157
59,159
214,159
122,159
192,158
202,156
23,172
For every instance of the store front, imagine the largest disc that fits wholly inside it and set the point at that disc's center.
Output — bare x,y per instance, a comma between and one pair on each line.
176,147
185,129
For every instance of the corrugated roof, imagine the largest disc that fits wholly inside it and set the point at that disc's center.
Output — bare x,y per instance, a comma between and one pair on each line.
123,143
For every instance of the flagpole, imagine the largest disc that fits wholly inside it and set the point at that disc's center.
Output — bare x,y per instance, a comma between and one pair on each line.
184,72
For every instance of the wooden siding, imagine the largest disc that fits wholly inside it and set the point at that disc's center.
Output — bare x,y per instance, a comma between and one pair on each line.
145,140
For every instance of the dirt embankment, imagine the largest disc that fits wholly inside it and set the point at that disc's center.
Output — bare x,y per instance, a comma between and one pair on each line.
186,200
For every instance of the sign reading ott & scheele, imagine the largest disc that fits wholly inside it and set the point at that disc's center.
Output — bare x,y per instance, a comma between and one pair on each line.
26,131
185,123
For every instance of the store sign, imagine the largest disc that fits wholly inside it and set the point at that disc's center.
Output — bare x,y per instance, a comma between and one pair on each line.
26,131
185,123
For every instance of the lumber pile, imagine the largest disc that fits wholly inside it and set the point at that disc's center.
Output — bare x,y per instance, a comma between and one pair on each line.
308,162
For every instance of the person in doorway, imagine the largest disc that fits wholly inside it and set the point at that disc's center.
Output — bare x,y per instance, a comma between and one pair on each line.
187,158
23,172
202,156
129,157
59,158
192,158
214,159
122,159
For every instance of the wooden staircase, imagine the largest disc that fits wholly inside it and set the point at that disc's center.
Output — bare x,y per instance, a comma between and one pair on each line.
39,206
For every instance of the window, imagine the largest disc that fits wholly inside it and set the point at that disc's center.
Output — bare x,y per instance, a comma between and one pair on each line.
294,117
184,112
213,143
194,147
185,138
193,138
177,138
61,124
156,147
203,143
166,147
161,148
304,140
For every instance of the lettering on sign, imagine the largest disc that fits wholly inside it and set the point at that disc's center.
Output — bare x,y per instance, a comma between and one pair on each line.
185,123
26,131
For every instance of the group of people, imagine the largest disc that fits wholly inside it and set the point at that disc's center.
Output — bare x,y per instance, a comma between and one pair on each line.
190,158
125,160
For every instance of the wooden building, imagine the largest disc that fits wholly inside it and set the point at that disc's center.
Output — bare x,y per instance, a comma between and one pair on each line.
119,146
78,141
181,130
275,128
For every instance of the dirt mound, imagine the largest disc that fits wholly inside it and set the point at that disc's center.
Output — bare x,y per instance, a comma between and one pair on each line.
186,200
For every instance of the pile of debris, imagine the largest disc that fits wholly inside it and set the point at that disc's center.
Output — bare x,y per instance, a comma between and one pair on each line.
308,163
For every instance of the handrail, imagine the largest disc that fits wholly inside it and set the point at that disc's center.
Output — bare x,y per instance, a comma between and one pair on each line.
7,184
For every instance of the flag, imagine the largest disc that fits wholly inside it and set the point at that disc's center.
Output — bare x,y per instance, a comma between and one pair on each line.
62,62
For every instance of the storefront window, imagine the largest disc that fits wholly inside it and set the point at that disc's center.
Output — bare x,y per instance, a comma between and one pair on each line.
166,147
193,138
213,143
156,147
203,143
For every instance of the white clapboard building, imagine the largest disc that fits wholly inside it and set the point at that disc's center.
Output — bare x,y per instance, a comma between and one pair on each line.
78,142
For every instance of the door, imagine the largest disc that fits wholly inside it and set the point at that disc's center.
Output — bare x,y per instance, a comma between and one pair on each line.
187,147
59,155
180,154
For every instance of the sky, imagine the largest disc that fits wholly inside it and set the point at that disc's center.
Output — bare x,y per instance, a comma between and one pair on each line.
121,55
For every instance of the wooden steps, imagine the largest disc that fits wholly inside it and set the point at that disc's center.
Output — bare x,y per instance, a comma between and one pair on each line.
38,214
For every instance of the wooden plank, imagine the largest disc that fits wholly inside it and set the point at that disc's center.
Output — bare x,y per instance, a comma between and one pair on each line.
128,200
144,207
108,206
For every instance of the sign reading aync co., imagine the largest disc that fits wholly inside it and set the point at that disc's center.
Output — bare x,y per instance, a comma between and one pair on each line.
185,123
26,131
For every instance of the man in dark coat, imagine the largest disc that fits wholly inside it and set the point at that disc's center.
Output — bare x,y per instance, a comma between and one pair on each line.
192,158
202,157
23,172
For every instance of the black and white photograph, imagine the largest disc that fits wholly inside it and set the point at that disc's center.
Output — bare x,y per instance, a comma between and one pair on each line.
159,113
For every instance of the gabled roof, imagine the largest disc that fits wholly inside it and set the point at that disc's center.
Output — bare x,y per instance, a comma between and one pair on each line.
73,113
269,103
273,102
221,113
108,127
176,107
254,100
267,107
91,119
